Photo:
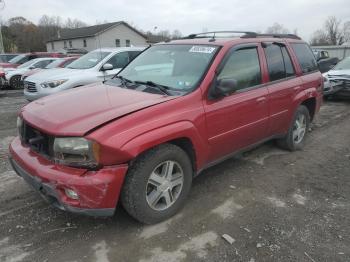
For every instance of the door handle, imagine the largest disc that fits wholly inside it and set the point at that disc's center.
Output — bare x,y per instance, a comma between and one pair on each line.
261,99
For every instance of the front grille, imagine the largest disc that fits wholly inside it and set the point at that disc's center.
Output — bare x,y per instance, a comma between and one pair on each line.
37,140
30,86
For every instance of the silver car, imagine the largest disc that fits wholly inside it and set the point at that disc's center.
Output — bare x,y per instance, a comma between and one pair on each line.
92,67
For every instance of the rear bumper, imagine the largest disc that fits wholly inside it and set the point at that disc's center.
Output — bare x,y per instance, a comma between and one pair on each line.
98,191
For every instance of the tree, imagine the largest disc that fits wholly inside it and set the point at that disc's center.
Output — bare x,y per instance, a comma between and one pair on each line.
176,34
74,23
277,28
332,33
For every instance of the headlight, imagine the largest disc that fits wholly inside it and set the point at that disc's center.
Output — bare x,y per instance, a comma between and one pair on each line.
53,83
20,126
76,151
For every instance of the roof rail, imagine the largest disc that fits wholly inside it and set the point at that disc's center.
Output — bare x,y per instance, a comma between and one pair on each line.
246,34
213,34
291,36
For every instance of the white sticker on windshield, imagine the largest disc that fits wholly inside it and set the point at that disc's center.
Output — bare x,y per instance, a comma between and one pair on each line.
202,49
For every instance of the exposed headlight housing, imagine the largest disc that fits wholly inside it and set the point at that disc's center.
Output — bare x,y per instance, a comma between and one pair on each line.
53,84
76,152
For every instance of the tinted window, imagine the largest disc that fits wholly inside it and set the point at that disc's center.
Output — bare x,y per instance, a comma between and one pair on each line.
278,62
42,64
305,57
287,62
133,54
243,66
275,62
119,60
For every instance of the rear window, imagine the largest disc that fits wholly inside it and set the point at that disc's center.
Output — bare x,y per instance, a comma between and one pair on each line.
305,57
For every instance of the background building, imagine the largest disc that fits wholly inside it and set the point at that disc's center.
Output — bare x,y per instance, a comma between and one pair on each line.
117,34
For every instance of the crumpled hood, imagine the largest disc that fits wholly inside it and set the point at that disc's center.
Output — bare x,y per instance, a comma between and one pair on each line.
75,112
342,73
56,74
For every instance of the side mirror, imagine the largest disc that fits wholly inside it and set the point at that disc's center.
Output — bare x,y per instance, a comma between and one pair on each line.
225,86
107,67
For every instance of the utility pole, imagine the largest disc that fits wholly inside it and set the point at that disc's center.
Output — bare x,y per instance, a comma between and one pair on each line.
2,6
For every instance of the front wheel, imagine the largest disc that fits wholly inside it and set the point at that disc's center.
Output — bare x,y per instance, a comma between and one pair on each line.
157,184
295,138
15,82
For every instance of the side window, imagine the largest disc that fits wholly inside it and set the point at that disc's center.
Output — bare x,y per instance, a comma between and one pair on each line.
117,42
275,62
133,54
243,66
127,42
119,60
287,62
42,64
65,44
278,62
305,57
84,43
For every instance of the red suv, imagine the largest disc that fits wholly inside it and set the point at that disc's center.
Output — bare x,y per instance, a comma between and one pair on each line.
178,108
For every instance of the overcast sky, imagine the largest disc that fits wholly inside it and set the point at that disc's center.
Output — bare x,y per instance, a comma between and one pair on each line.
189,16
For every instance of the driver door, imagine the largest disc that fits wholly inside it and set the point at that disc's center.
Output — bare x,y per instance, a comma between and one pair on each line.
240,119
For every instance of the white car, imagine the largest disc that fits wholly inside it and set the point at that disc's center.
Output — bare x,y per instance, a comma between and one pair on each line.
337,80
93,67
13,75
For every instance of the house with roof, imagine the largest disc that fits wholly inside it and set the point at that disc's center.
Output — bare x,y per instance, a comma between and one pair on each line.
117,34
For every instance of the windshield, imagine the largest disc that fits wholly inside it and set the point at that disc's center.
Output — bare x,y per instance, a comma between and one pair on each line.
177,67
20,59
89,60
343,65
27,64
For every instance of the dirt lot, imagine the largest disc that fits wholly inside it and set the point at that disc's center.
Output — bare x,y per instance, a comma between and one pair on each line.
277,205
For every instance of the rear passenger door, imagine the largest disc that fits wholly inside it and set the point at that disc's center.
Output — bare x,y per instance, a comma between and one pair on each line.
239,119
282,86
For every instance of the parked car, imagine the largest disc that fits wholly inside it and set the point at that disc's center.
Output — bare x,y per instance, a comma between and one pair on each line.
13,75
337,80
175,110
23,58
89,68
5,58
58,63
325,62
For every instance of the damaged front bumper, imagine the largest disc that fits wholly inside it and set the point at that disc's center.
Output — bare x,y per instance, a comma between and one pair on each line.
338,86
97,191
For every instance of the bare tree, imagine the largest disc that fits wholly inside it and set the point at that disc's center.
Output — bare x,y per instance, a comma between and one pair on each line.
277,28
333,31
74,23
176,34
319,37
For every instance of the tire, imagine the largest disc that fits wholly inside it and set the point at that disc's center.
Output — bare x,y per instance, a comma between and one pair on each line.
139,190
290,141
15,82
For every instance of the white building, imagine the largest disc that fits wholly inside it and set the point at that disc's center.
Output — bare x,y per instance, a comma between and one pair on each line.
115,34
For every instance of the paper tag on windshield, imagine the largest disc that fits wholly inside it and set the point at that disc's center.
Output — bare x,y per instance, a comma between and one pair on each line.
202,49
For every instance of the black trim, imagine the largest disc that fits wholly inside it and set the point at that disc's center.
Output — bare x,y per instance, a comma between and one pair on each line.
240,151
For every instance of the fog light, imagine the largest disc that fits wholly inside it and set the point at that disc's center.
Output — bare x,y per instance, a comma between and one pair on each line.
71,193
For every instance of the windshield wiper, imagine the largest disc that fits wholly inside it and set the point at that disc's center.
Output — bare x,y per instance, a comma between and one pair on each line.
124,80
162,88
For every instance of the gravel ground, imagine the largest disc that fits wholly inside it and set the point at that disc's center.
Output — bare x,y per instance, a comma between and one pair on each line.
276,205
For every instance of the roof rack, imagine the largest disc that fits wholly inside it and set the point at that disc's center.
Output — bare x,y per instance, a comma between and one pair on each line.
291,36
245,34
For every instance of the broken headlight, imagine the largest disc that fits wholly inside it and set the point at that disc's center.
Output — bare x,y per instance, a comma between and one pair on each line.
76,152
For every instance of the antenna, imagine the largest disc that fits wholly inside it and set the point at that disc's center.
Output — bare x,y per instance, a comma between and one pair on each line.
99,44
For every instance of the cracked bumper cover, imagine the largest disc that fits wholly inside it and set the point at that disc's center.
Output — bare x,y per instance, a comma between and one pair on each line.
98,191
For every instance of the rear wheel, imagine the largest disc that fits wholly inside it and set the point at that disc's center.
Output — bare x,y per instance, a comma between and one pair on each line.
157,184
15,82
295,138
